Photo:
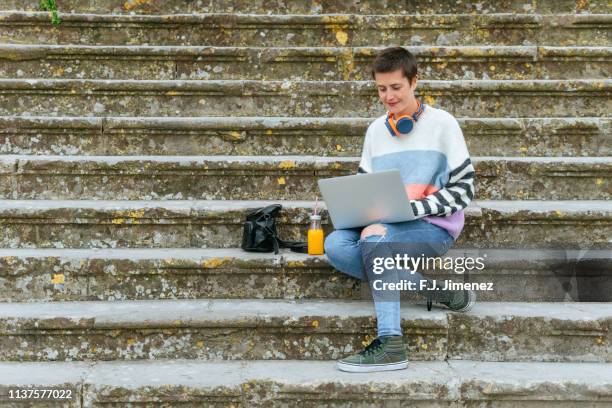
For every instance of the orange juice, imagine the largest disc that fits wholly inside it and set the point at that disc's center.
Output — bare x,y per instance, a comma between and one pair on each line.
315,242
315,236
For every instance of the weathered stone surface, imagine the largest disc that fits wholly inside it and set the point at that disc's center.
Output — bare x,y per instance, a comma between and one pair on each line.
305,329
457,384
148,274
516,222
316,383
526,117
168,273
219,224
171,177
245,136
317,7
274,177
307,30
555,62
508,335
65,378
312,63
185,384
554,98
538,178
205,329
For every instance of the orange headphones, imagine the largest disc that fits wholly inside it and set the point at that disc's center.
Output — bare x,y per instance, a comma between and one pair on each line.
404,123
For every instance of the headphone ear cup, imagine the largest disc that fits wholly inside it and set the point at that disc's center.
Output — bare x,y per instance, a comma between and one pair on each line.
404,125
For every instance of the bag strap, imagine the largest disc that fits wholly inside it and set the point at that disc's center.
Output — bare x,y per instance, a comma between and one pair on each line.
276,241
295,246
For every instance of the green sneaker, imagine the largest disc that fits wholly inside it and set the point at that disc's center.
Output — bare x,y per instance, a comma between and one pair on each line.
455,300
382,354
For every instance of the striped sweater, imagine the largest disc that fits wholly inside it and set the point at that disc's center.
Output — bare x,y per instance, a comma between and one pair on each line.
434,163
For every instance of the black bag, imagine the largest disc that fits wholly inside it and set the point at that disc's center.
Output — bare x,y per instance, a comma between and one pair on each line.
259,232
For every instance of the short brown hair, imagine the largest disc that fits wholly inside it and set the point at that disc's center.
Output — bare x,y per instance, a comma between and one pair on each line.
394,58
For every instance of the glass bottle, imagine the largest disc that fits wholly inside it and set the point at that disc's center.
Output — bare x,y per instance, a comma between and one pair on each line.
315,236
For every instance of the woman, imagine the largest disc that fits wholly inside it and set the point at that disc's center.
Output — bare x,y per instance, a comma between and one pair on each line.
427,146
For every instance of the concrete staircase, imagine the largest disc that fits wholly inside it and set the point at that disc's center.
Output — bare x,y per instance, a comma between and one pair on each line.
135,136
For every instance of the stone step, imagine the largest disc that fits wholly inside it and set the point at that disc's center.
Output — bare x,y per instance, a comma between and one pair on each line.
239,329
477,98
303,30
26,177
296,63
219,224
318,7
281,136
192,273
294,383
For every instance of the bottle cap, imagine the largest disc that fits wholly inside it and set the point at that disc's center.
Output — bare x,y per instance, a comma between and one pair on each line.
315,217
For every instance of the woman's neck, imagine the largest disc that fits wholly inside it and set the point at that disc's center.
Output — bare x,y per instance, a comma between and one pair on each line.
410,110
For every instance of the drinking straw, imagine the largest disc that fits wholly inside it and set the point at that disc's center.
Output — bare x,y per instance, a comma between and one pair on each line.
316,204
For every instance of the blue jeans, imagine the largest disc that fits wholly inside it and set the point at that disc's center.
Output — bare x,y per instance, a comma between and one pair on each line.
348,253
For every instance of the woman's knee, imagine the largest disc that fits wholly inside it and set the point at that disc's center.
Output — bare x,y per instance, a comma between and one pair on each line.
343,252
374,229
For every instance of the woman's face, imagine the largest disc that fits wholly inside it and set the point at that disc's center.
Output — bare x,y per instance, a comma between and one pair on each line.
395,92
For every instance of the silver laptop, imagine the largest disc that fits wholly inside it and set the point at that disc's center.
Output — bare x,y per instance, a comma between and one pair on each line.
364,199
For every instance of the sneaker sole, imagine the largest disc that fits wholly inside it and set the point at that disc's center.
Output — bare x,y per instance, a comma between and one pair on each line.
471,303
368,368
